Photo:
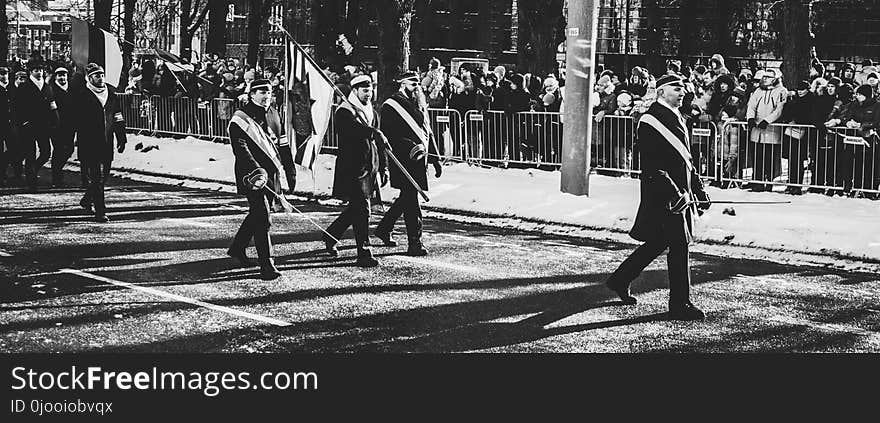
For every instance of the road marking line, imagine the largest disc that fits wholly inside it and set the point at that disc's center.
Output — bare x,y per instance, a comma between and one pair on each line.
482,241
188,222
32,197
179,298
440,264
4,254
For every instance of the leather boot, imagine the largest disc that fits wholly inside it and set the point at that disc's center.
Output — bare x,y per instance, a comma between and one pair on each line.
329,245
365,258
264,251
239,255
416,248
387,238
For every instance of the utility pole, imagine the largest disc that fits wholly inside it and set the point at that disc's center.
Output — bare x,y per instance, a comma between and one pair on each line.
578,125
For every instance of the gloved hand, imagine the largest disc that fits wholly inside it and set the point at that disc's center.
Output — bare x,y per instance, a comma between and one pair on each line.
383,177
763,124
438,169
120,147
680,204
703,197
381,139
417,153
752,123
257,179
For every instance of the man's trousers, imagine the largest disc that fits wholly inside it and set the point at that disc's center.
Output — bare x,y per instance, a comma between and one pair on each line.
407,204
677,264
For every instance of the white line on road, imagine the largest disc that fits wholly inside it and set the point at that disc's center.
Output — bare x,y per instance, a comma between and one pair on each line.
179,298
440,264
482,241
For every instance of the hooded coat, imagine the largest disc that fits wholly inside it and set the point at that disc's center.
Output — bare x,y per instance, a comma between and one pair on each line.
767,104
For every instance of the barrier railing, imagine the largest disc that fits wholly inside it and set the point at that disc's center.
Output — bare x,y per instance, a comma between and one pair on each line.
448,129
836,160
527,137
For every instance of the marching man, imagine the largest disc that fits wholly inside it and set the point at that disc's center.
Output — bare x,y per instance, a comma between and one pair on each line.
671,192
404,120
361,158
256,173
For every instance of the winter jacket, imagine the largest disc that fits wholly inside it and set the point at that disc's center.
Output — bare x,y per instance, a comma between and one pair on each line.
767,104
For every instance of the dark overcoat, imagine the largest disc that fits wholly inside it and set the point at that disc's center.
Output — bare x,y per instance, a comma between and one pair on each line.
360,157
35,107
665,173
403,138
95,125
249,155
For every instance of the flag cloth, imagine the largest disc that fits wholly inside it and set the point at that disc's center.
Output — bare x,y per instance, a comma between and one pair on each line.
90,44
310,99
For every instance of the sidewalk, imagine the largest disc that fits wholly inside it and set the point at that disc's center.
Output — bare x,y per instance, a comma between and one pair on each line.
837,230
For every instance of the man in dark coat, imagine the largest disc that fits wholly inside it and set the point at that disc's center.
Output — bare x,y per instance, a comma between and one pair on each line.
360,159
257,170
97,118
404,120
7,149
36,115
62,136
671,191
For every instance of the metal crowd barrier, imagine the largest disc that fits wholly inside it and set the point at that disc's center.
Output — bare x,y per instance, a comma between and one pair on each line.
533,138
835,159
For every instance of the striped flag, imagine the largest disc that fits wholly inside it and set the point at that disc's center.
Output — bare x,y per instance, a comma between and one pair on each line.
90,44
309,105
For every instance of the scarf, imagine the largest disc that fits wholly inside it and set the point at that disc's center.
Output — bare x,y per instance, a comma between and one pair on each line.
63,87
4,85
100,92
39,83
366,111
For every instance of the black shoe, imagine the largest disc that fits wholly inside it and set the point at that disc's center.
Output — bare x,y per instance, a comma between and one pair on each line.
794,191
330,246
102,218
416,250
268,271
623,293
241,256
386,238
86,205
686,311
365,259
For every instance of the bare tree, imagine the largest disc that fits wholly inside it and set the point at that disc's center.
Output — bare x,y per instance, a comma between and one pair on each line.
103,8
395,17
653,37
257,16
128,46
192,14
4,41
216,42
797,41
543,22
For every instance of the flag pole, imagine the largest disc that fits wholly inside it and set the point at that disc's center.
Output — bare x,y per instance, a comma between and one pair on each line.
360,118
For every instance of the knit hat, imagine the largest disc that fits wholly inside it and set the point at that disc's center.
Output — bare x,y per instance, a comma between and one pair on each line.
865,90
260,84
61,69
517,80
873,75
718,59
803,85
640,72
672,80
848,66
34,63
835,81
700,69
746,72
408,76
93,68
603,80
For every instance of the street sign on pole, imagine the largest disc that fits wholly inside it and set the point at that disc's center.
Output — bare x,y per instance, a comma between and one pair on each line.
580,57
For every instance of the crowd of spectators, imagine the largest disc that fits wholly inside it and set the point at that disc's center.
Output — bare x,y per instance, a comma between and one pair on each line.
827,107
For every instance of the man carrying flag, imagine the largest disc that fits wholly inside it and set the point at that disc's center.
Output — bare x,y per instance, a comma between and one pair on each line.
404,121
257,170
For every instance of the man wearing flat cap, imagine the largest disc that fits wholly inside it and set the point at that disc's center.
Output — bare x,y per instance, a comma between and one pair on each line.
257,171
404,120
670,191
96,120
62,136
360,160
36,115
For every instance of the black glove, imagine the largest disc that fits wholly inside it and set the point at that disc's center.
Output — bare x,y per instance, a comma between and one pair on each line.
680,204
120,147
417,153
257,179
763,124
438,169
383,177
752,123
704,201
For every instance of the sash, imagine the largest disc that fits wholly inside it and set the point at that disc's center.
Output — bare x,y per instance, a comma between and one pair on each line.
670,137
419,131
256,133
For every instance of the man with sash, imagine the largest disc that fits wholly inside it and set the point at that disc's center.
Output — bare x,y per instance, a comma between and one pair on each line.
360,159
404,120
257,170
96,118
671,193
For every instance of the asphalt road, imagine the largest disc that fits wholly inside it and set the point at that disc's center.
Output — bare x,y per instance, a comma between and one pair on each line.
156,279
